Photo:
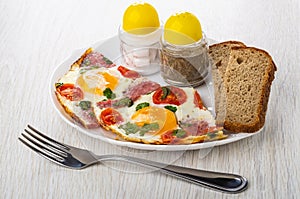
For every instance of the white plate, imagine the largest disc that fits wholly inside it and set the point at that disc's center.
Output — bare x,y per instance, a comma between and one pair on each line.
110,49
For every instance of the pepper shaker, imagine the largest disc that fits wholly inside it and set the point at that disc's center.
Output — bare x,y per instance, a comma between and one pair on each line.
184,51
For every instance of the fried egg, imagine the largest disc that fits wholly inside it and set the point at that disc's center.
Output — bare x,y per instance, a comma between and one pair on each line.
94,82
91,82
165,119
90,94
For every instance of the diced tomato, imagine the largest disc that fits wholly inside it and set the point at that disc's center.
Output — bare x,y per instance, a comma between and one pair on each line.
110,116
70,92
198,101
174,96
167,137
128,73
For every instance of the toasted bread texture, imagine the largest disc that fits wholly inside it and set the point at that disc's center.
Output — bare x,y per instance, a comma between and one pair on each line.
247,81
219,54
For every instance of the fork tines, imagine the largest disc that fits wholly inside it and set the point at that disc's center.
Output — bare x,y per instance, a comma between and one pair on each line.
44,145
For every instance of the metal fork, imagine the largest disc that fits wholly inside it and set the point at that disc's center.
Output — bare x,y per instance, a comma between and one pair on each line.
76,158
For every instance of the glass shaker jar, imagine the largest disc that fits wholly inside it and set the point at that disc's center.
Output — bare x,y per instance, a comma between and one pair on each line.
184,65
141,52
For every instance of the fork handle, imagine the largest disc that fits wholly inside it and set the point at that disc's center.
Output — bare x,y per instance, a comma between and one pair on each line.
216,180
224,182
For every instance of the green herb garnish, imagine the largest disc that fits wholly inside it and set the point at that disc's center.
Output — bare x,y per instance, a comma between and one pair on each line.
123,102
166,92
179,133
130,128
171,108
87,68
185,124
85,105
142,105
92,114
148,127
86,62
212,135
109,94
107,61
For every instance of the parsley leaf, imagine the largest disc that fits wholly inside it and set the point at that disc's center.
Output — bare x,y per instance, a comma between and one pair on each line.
148,127
86,62
130,128
171,108
107,61
212,135
166,92
85,105
142,105
109,94
179,133
123,102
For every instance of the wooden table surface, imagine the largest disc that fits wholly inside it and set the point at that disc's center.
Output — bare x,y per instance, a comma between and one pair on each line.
36,36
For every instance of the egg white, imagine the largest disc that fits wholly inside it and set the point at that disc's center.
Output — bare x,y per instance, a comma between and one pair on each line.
188,110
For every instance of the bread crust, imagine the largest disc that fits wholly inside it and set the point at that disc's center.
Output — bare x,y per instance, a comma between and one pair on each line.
231,42
264,98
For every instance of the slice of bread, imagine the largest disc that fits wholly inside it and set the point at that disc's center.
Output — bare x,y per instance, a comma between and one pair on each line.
219,54
247,81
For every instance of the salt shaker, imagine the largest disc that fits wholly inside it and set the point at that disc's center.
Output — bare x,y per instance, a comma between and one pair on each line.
139,37
141,52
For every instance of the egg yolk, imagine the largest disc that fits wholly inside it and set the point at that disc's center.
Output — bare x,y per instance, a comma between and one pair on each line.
140,18
182,29
165,118
96,83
